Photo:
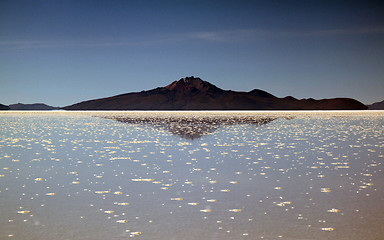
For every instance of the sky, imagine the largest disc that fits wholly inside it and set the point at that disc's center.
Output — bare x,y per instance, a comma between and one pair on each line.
61,52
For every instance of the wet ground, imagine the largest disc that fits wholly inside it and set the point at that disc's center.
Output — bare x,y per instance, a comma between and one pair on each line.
191,175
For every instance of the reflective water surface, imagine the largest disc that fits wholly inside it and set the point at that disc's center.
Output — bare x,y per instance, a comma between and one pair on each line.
191,175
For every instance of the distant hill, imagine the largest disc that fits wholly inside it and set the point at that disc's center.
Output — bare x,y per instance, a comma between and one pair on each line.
34,106
192,93
3,107
376,106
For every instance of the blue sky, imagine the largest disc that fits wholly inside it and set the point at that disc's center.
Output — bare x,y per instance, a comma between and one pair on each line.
62,52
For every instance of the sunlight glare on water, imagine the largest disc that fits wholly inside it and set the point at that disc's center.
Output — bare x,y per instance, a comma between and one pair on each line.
191,175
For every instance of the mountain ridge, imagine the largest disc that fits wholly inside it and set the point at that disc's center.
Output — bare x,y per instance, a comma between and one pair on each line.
32,106
376,106
191,93
4,107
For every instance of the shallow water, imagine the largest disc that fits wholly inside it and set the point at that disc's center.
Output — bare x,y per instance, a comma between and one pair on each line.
301,175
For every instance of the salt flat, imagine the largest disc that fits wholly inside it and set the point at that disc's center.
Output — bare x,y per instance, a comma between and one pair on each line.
191,175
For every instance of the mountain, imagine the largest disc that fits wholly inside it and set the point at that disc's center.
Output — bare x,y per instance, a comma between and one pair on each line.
192,93
3,107
376,106
34,106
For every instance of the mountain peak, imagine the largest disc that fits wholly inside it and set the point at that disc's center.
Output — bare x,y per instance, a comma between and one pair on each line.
191,79
189,84
192,93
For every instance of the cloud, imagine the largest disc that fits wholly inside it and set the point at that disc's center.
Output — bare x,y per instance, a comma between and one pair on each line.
39,44
251,34
337,32
207,36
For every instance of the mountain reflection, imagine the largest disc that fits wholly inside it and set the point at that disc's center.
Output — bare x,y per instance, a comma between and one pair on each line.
192,127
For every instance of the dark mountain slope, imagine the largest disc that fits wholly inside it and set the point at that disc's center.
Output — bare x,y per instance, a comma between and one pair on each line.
33,106
192,93
376,106
3,107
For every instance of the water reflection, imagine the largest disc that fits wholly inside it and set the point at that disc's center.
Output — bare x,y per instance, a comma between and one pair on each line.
192,127
73,176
